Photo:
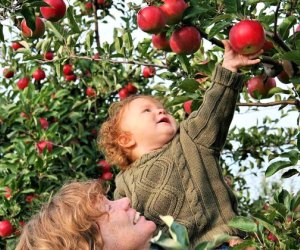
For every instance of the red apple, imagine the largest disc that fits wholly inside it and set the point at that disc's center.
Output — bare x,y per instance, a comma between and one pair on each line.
160,41
268,45
6,228
283,77
72,77
272,237
149,71
123,93
186,40
298,28
131,88
96,56
257,88
39,74
49,55
68,69
90,92
8,73
39,29
107,176
16,45
29,198
55,11
89,6
151,19
24,115
247,37
44,123
7,193
104,165
187,106
41,145
173,10
23,82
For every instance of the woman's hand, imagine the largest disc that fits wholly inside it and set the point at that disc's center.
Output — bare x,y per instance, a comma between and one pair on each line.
233,61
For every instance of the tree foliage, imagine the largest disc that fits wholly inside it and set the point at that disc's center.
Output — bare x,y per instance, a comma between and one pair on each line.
29,175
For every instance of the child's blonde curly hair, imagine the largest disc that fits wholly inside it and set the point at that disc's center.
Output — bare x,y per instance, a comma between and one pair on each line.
110,132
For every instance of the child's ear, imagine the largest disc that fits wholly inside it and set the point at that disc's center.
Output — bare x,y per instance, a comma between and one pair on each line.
126,140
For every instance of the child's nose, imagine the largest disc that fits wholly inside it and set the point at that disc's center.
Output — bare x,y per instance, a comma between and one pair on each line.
161,111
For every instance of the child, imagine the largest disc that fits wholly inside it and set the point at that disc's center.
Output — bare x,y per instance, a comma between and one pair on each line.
167,170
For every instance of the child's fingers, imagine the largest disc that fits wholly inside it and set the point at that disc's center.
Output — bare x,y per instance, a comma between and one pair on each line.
226,44
254,61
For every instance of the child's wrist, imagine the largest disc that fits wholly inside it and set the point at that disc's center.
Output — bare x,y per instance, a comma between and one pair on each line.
229,67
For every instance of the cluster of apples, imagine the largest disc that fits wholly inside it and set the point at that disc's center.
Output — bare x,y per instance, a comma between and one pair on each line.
126,91
69,73
105,168
55,11
157,19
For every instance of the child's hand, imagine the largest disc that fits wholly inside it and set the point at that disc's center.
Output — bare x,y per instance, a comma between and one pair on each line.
233,61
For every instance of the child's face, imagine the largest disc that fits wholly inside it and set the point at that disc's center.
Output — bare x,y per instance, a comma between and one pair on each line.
148,123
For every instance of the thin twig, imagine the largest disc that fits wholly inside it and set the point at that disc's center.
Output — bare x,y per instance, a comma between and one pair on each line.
268,104
97,37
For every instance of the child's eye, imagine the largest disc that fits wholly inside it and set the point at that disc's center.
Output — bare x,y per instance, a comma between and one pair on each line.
146,110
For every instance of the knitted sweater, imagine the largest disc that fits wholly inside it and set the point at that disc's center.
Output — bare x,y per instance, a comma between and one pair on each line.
183,178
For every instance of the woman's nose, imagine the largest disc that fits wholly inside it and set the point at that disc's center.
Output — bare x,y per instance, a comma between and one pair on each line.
124,203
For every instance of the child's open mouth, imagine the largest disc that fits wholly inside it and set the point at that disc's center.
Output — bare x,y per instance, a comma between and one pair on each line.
164,119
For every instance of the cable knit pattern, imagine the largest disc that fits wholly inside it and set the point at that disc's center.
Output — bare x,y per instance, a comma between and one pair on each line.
183,178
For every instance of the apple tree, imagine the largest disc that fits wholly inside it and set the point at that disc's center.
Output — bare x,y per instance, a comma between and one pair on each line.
59,76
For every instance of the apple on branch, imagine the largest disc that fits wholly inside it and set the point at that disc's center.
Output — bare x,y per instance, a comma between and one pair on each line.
160,41
39,28
6,228
149,71
173,10
259,88
23,82
247,37
39,74
8,73
151,19
55,11
186,40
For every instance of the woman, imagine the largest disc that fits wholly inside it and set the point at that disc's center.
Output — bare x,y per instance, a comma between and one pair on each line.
79,216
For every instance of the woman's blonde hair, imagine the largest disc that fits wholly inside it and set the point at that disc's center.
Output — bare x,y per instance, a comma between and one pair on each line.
68,221
110,132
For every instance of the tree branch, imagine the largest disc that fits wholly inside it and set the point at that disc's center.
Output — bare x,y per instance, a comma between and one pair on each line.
268,104
97,37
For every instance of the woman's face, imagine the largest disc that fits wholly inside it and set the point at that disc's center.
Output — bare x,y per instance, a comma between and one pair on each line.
123,227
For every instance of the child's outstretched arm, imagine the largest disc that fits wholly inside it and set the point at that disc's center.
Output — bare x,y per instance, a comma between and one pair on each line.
233,61
209,125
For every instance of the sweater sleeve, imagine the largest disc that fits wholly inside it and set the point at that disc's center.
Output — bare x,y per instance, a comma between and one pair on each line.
120,184
209,125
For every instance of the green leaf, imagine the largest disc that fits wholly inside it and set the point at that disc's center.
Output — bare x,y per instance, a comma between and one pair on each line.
29,16
243,223
56,30
185,64
73,24
217,28
286,25
189,85
290,173
293,55
232,6
276,166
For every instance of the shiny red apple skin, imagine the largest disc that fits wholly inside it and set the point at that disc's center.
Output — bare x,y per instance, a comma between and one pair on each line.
160,41
151,19
15,46
187,106
49,55
90,92
6,228
8,73
149,71
173,10
131,88
186,40
39,75
23,83
68,69
39,28
247,37
257,88
55,11
123,93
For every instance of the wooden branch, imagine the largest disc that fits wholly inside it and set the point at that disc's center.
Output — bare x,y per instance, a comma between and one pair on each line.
125,61
268,104
97,37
